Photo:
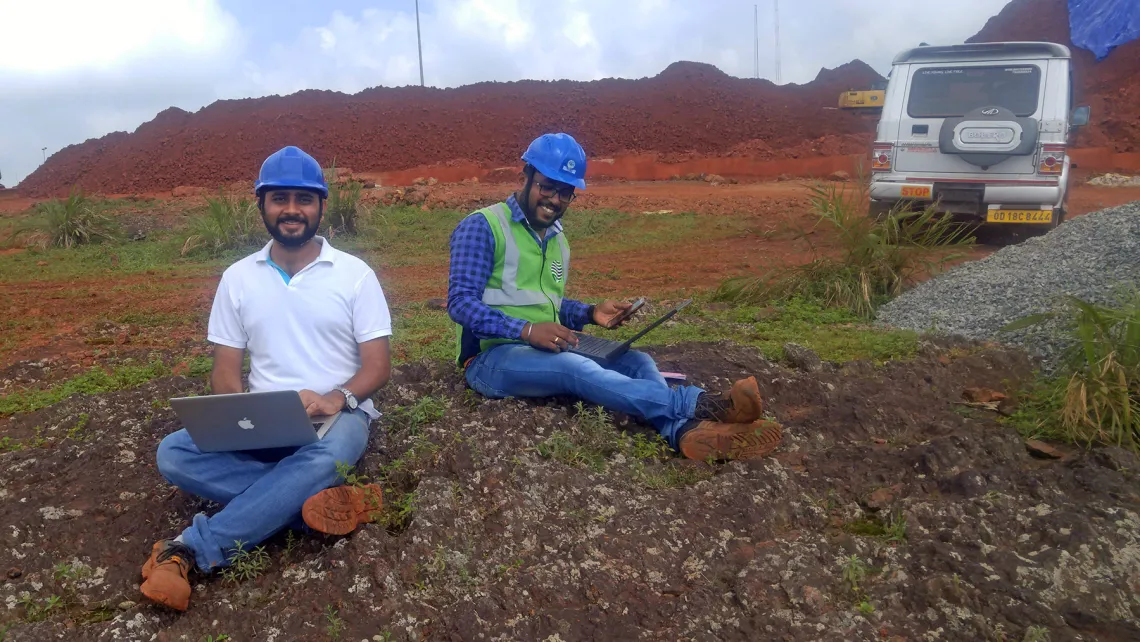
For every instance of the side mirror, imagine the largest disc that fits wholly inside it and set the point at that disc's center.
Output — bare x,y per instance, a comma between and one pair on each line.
1080,116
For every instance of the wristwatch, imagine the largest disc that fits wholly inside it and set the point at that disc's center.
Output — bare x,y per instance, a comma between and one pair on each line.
349,398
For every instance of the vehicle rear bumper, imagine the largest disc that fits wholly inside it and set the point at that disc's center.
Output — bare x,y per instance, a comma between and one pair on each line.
1005,193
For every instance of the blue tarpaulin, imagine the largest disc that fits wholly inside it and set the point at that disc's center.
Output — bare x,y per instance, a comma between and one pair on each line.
1102,25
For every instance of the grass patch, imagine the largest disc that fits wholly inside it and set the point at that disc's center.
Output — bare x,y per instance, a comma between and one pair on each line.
1095,395
397,511
342,209
159,254
594,442
95,380
836,335
40,610
97,615
591,442
424,411
66,223
877,259
403,235
891,527
335,623
422,333
230,223
246,564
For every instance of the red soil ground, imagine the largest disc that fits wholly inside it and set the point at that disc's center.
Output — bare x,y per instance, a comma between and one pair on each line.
57,318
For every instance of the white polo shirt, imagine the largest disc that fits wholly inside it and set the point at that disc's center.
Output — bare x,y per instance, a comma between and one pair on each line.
302,334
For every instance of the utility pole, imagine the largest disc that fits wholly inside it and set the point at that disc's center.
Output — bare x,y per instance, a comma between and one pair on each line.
756,44
777,8
419,45
44,150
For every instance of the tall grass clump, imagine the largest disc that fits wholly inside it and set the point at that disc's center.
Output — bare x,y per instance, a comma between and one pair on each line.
1095,395
66,223
876,259
228,224
342,210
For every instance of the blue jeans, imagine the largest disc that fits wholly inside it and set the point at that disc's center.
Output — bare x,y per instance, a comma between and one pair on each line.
262,490
632,384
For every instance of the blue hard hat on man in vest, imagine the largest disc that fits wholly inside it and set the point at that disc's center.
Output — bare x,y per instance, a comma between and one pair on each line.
558,157
291,168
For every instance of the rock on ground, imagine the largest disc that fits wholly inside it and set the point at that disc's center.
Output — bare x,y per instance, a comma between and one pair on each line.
1094,257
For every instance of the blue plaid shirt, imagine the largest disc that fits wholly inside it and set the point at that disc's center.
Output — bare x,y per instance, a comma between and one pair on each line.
472,262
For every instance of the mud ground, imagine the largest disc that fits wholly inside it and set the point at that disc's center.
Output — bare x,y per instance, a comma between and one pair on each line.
502,541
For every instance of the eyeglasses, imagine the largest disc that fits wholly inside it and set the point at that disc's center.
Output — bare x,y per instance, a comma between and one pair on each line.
565,192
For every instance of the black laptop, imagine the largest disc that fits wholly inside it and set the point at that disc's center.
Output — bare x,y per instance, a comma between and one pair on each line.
604,351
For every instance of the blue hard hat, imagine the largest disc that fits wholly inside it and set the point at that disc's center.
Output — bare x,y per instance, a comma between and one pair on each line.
291,168
559,157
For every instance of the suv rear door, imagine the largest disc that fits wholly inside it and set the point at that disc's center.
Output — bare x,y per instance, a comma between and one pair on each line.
951,90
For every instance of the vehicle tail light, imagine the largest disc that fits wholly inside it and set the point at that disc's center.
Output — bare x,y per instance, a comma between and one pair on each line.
881,156
1052,160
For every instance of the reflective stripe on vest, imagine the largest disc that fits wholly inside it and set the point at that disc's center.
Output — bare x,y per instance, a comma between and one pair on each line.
509,294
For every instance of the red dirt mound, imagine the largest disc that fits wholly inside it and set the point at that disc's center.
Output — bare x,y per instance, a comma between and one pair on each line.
688,111
1111,87
687,108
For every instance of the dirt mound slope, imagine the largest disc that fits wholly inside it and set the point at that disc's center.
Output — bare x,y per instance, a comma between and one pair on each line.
516,532
1111,87
688,107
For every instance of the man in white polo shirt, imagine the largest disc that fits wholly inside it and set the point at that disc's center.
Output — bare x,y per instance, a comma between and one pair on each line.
315,320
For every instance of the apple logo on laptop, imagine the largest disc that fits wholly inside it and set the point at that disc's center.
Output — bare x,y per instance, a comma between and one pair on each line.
245,424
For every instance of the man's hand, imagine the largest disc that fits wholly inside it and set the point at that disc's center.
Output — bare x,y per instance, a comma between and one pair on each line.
553,337
607,312
322,405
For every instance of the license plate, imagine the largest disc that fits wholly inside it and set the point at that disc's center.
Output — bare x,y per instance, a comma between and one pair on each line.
1019,216
916,191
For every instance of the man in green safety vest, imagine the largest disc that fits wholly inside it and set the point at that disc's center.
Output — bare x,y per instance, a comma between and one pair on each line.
506,293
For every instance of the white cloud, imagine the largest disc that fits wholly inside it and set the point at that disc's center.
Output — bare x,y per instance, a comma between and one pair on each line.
59,36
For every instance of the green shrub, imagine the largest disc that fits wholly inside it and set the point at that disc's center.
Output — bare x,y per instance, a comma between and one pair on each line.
67,223
342,210
877,258
228,224
1095,395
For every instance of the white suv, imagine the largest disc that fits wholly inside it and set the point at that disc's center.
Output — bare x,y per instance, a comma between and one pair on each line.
980,129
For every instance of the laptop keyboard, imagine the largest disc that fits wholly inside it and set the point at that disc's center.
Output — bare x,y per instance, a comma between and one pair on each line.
596,346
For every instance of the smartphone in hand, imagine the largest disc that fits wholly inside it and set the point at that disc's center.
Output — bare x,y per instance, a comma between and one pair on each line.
630,312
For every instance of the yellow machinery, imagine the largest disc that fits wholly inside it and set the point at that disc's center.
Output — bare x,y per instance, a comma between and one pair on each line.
862,100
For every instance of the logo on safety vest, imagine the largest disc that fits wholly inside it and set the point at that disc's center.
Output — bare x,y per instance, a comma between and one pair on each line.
569,167
556,270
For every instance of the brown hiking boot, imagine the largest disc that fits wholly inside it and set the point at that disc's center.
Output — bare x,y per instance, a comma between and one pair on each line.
742,404
720,440
166,573
339,510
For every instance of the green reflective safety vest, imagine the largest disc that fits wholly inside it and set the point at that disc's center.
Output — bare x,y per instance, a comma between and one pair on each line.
527,282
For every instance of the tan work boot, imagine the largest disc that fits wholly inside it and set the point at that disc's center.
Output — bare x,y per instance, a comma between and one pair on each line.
339,510
166,573
720,440
742,404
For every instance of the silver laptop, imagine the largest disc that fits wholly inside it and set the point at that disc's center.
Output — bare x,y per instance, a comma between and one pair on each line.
249,421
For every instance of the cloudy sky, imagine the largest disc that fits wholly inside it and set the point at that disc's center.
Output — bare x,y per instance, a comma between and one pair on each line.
76,69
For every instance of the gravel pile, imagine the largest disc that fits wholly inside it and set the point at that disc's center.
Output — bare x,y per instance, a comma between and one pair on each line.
1116,180
1092,257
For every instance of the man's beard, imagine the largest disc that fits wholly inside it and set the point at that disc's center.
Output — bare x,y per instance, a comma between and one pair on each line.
292,241
538,223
